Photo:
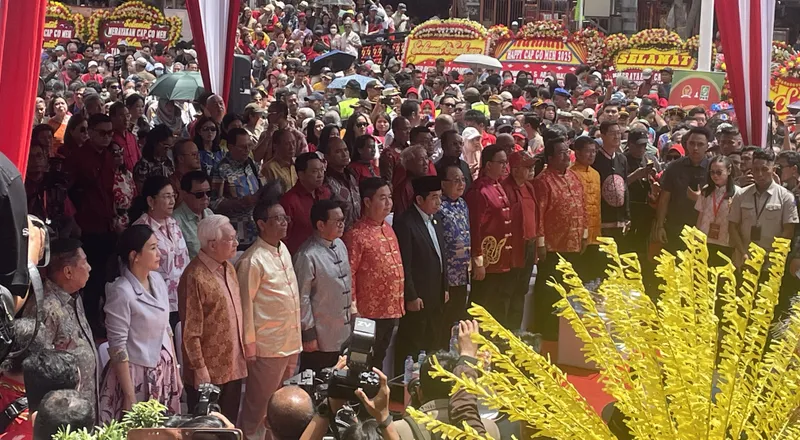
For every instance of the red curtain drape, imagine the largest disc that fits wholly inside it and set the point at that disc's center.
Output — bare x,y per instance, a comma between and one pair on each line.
21,33
746,28
213,24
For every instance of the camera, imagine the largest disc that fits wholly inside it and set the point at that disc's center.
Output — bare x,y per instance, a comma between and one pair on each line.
207,402
342,384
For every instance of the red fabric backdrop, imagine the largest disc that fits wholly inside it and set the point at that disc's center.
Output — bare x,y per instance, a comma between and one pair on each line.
21,33
746,28
213,24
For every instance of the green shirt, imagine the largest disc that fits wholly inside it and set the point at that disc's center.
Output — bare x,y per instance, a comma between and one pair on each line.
345,109
187,221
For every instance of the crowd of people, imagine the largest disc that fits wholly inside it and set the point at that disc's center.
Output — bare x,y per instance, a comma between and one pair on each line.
207,246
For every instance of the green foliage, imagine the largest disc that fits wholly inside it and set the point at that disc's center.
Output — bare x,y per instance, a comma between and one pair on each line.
150,414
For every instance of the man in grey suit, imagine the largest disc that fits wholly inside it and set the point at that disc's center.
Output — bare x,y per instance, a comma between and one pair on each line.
324,280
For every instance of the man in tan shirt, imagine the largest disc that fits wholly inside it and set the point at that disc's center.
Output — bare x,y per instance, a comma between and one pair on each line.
271,308
211,313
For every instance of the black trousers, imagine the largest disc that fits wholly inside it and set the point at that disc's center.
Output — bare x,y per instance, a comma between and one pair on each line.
494,293
318,360
229,397
422,330
520,285
545,321
456,309
99,249
383,337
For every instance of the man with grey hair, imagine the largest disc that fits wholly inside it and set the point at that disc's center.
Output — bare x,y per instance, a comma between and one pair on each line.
332,117
211,313
415,161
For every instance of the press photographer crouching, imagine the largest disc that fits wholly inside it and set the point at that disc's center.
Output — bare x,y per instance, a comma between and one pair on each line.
431,395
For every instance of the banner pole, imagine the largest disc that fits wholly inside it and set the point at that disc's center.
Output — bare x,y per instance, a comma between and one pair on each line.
704,61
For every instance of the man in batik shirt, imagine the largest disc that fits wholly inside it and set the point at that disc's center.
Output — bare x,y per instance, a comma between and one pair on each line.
562,231
376,265
235,183
65,325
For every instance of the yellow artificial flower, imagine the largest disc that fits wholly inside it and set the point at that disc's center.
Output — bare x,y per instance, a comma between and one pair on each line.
676,370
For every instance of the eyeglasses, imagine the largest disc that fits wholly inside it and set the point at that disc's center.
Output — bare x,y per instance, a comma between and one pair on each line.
201,194
233,239
281,218
339,222
104,133
721,172
362,124
448,104
209,129
459,180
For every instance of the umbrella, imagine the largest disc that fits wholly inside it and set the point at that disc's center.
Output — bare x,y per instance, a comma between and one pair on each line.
179,86
336,60
477,60
339,83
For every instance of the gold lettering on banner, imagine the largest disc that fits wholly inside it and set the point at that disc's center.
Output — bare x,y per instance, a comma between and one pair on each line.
136,24
492,249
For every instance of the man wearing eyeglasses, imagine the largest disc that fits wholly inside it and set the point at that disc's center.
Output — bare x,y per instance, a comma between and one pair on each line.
270,315
211,314
195,187
324,279
91,168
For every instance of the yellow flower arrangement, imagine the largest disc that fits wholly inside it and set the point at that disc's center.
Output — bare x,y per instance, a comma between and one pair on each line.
661,38
60,11
613,44
136,10
451,28
594,41
676,370
544,29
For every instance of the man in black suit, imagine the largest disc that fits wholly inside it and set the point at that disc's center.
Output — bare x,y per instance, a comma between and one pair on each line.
421,239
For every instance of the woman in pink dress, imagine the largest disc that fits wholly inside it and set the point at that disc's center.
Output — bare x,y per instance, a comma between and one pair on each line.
154,208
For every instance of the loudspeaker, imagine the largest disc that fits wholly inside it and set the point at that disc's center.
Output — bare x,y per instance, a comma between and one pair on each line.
240,84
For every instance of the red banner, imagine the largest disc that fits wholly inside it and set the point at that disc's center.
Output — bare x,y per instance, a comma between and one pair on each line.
540,56
58,32
132,32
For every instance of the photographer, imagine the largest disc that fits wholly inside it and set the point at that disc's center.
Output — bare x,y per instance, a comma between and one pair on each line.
14,419
61,409
49,370
377,407
433,394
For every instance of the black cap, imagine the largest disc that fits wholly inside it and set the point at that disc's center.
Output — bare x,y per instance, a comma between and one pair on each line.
64,245
638,137
426,184
353,85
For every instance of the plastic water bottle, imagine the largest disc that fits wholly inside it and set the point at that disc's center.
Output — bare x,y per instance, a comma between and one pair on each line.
421,358
409,369
454,339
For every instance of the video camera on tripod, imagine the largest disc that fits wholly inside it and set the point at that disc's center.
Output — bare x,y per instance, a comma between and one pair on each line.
342,384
